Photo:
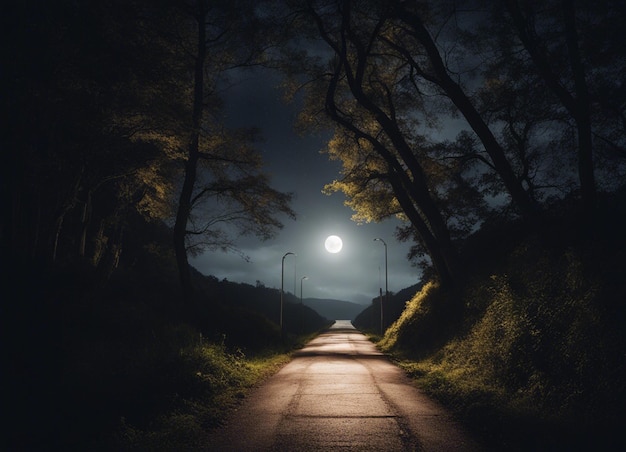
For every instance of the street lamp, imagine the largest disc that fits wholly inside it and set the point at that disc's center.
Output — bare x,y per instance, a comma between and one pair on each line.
302,279
282,285
301,305
386,286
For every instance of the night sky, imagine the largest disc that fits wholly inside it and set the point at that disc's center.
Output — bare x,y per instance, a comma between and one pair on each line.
296,165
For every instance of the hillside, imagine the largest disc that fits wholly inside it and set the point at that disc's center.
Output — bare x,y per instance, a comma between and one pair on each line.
122,365
369,318
266,300
334,309
528,348
260,300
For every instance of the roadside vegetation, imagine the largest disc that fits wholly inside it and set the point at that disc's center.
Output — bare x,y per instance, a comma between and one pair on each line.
529,350
494,130
122,367
201,384
213,379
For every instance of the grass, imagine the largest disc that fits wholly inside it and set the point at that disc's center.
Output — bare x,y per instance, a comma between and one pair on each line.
114,377
124,367
536,361
210,380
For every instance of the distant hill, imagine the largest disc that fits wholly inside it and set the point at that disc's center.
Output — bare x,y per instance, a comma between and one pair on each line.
264,301
369,318
334,309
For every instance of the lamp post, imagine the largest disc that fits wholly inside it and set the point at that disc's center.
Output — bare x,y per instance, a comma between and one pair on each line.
282,285
302,279
301,305
386,286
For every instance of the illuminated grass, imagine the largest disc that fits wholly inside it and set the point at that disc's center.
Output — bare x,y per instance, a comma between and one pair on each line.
209,380
415,312
535,361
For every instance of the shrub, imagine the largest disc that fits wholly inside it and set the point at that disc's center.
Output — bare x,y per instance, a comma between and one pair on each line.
428,320
540,347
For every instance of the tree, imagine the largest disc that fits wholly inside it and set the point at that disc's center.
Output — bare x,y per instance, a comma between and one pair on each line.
435,71
559,59
385,68
398,71
566,76
222,38
79,77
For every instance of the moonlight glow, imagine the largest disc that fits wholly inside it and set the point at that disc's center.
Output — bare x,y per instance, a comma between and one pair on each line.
333,244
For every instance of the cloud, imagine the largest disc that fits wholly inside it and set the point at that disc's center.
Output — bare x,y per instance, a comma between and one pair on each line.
296,165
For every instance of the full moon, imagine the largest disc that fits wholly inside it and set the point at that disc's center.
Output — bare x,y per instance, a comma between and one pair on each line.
333,244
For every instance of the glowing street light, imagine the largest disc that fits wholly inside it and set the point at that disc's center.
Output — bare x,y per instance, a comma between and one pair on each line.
386,286
282,285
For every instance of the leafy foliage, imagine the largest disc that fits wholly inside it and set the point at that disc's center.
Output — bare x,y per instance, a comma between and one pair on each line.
448,113
538,345
120,366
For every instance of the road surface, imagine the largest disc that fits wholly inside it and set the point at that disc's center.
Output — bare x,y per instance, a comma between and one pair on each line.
340,393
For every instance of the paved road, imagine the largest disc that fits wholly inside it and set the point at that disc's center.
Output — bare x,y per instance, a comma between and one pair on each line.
340,393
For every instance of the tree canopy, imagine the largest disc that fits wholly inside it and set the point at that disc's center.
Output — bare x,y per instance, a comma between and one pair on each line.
445,114
112,114
448,113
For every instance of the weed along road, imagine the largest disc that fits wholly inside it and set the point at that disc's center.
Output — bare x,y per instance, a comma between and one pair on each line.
340,393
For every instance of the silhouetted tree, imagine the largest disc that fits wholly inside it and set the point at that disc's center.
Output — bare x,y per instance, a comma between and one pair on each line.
567,41
375,94
74,78
547,71
221,169
400,78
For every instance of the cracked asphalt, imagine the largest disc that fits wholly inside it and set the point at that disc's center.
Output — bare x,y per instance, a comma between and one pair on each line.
340,393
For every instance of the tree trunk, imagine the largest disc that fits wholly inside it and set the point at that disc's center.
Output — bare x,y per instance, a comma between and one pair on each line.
577,107
411,190
443,254
185,200
84,223
582,114
99,245
69,203
180,230
111,255
58,225
458,97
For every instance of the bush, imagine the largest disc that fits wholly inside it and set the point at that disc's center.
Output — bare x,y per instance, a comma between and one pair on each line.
539,350
427,321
